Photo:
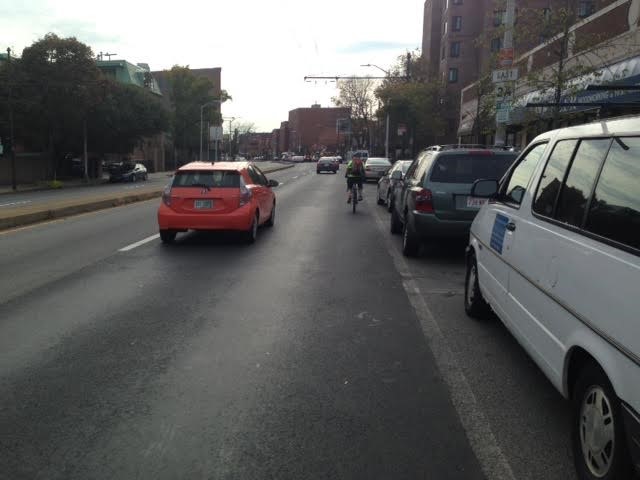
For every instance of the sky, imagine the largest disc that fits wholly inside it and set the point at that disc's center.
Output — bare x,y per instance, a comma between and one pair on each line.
264,47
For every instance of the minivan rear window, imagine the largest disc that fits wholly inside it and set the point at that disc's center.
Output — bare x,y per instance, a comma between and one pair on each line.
469,168
210,178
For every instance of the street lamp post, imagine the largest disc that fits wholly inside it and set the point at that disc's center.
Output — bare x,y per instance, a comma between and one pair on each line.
202,107
386,136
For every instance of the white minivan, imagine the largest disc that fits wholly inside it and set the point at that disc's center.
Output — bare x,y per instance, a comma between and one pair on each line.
555,253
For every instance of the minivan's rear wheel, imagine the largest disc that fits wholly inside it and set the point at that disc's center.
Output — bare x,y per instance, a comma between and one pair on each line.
410,242
474,304
599,443
167,236
252,233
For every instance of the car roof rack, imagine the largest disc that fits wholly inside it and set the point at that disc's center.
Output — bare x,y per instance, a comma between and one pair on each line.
468,146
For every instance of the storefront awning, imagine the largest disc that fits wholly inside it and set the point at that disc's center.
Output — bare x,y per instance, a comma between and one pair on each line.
626,72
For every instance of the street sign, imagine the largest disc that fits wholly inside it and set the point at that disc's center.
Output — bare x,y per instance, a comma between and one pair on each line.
215,134
505,75
505,57
503,110
504,91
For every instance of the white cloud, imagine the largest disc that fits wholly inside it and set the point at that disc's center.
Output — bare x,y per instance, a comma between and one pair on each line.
265,48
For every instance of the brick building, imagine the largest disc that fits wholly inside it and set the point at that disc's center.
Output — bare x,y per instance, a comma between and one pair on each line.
283,137
254,144
313,130
615,56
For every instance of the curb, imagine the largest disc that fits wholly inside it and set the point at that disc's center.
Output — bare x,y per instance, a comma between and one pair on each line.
91,206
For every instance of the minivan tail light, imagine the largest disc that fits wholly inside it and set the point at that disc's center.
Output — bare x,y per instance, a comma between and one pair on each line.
424,201
245,193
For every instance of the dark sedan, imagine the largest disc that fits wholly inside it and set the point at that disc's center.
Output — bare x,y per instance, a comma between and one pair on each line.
127,172
327,164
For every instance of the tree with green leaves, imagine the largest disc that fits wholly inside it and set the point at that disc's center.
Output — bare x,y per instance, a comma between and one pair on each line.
189,92
418,101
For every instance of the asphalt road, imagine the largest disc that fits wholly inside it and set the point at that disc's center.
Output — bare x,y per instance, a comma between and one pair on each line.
318,352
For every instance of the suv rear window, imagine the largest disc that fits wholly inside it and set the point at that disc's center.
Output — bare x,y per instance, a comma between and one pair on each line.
461,168
210,178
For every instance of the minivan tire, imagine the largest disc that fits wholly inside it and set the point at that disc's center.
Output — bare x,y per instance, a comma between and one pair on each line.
474,304
592,381
410,241
396,224
167,236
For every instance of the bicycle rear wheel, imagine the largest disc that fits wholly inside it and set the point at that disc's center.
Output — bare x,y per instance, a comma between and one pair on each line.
354,198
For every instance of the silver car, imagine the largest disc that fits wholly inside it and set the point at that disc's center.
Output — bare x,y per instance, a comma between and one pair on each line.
388,182
376,167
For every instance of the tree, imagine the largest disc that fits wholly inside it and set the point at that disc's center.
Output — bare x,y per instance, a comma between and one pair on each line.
60,79
417,101
358,95
189,93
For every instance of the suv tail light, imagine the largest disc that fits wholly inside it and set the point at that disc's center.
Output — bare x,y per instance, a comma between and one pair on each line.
245,193
424,201
166,196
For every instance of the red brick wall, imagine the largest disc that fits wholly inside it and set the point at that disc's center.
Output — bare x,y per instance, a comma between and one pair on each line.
313,126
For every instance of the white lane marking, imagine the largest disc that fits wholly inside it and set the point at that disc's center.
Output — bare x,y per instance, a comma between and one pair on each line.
492,460
141,242
293,178
13,204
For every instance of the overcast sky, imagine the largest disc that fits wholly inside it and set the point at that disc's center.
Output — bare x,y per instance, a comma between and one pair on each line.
265,47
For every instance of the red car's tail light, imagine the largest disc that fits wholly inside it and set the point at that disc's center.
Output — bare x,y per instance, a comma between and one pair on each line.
424,201
245,193
166,196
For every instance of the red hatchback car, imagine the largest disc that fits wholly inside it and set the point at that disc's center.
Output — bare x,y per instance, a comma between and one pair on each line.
217,196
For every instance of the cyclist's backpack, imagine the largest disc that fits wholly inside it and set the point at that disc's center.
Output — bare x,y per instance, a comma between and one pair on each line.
357,167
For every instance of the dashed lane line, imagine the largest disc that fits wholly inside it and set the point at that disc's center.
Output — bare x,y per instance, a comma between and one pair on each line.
139,243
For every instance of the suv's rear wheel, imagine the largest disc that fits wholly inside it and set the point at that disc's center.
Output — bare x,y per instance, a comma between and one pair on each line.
410,241
167,236
474,304
598,437
396,224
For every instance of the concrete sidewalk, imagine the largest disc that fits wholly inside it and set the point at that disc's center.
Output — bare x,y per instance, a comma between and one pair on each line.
17,217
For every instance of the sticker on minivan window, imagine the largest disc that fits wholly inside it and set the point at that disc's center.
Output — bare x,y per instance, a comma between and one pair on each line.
498,233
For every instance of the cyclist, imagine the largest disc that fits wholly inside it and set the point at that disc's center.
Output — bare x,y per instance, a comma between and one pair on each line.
355,174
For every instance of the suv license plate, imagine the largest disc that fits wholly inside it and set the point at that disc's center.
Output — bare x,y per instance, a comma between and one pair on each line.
203,204
475,202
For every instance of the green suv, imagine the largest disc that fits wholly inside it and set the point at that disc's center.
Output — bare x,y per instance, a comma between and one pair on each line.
433,200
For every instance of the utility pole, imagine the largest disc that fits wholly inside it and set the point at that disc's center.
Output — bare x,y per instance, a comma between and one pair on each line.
510,14
12,153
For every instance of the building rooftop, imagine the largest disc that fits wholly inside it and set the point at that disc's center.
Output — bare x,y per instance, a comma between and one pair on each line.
128,73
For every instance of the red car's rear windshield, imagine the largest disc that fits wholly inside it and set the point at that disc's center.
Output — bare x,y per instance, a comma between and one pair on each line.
469,168
210,178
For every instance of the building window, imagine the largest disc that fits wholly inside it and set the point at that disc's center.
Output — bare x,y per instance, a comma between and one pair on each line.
457,24
453,75
454,50
496,44
585,8
499,17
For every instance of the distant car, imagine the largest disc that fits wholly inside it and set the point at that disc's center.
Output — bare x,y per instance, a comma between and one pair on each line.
376,167
389,181
327,164
127,172
434,200
232,196
297,158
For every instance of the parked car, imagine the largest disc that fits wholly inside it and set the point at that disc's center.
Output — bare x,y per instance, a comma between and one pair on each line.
555,253
389,181
376,167
327,164
220,196
297,158
127,172
434,201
